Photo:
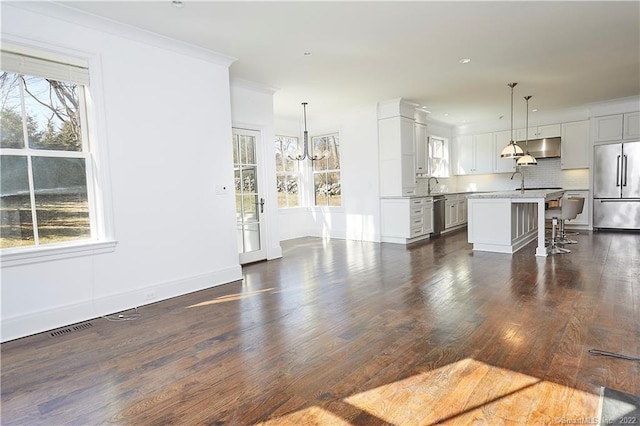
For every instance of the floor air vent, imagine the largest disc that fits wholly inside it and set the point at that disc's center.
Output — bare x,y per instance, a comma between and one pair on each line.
67,330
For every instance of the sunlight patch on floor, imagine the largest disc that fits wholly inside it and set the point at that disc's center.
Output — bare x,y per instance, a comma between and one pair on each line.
307,416
471,391
465,392
231,297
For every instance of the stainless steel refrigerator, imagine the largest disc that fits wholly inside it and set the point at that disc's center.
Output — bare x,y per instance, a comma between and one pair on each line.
616,185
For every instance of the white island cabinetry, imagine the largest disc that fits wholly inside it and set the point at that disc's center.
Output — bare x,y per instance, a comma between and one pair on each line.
506,221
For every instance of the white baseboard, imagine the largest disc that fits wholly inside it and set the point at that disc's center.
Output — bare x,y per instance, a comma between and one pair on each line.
37,322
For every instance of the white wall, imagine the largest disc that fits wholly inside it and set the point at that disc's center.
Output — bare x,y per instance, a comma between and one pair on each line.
252,108
167,126
359,216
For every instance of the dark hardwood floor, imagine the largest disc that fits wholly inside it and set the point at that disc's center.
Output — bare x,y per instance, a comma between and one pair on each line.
346,332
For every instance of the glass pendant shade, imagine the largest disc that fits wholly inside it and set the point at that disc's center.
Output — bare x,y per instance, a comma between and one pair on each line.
527,160
511,151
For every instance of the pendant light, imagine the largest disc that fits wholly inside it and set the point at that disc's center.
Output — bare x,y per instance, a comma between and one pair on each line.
512,150
528,159
305,142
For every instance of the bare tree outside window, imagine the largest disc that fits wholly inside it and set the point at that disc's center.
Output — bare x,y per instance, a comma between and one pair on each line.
43,193
287,171
326,171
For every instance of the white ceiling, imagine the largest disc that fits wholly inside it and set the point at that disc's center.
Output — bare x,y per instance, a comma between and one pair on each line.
565,54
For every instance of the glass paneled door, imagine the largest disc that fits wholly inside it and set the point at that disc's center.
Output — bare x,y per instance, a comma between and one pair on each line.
249,200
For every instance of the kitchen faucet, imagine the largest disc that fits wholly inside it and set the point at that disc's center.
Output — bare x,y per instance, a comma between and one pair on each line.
429,184
521,180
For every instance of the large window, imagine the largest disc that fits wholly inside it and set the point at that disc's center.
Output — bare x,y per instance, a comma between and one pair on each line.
326,171
287,171
46,195
438,157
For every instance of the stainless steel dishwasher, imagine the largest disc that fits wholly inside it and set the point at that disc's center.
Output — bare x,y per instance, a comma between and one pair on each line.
438,214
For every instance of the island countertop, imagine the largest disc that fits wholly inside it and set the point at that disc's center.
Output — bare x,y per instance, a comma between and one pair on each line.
547,194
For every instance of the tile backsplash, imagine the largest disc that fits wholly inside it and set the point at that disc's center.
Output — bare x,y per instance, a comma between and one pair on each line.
546,174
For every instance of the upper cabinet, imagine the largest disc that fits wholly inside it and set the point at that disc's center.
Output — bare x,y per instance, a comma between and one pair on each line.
474,154
422,151
396,139
616,127
540,132
396,142
631,125
483,145
574,148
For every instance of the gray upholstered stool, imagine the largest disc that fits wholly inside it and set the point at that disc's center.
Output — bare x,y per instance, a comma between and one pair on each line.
562,233
568,210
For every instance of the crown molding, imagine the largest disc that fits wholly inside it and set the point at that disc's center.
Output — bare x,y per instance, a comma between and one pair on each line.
118,29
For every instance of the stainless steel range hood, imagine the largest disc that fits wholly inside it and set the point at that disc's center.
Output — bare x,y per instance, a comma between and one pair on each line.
542,148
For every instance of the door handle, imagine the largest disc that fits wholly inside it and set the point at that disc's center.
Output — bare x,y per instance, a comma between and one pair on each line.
618,161
624,157
261,205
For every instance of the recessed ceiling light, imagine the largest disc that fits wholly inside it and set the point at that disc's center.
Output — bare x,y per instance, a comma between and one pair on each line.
534,110
446,114
465,60
177,4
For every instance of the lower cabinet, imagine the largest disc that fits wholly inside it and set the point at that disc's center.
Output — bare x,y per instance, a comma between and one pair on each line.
405,220
455,213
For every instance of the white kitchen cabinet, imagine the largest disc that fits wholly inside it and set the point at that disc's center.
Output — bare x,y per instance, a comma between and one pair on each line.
474,154
540,132
631,125
502,165
582,220
422,160
450,213
574,148
464,155
483,145
607,128
427,214
396,139
455,213
405,220
616,127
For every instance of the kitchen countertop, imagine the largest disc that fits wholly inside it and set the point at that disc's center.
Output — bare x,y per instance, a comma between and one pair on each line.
433,194
531,193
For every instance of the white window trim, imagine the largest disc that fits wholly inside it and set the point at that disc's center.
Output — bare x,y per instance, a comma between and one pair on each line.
49,252
298,173
105,241
312,201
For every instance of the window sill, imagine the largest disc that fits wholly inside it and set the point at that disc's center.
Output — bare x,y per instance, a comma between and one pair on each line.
24,256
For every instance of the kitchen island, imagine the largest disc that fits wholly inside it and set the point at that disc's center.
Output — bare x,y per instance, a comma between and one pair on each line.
506,221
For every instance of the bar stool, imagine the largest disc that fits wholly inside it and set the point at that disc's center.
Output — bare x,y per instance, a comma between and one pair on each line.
568,210
562,233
